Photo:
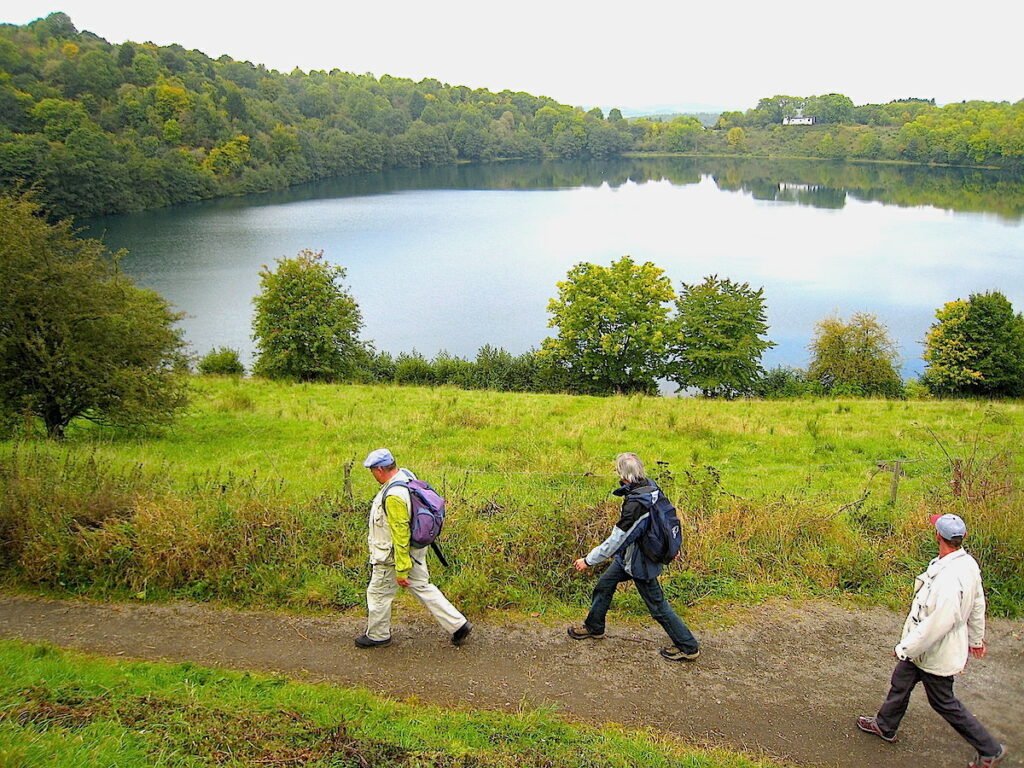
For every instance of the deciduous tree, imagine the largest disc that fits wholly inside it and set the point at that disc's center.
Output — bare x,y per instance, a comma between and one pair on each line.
77,338
855,357
976,347
716,339
306,325
612,326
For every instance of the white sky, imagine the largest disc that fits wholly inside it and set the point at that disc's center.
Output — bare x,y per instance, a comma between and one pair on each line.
724,53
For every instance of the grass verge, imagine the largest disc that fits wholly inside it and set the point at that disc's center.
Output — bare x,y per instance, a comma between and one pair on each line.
246,500
63,710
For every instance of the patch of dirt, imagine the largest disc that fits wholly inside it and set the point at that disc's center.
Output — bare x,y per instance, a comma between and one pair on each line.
788,681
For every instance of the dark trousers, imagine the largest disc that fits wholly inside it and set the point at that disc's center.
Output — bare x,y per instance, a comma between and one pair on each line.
940,695
650,590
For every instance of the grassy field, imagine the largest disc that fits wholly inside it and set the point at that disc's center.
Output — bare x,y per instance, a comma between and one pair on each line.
246,500
64,710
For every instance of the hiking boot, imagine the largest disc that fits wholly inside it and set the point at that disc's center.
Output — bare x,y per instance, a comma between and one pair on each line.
582,633
460,635
981,761
677,654
870,725
365,642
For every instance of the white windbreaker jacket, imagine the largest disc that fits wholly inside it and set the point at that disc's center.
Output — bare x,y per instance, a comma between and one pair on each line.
947,616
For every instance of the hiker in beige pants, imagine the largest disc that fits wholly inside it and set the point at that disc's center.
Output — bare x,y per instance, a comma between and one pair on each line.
394,563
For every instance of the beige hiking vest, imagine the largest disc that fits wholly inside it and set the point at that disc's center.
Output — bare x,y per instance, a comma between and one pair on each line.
382,549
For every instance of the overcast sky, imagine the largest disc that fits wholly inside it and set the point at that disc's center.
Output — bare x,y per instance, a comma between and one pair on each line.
724,53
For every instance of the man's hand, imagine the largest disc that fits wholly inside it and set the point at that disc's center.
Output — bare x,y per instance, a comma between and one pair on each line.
581,564
979,651
403,582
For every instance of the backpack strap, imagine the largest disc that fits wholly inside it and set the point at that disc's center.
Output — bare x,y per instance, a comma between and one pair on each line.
392,484
440,555
638,494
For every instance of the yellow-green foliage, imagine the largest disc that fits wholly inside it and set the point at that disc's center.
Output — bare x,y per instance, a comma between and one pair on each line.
246,499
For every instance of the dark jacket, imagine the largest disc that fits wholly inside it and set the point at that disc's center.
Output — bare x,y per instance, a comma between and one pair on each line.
622,543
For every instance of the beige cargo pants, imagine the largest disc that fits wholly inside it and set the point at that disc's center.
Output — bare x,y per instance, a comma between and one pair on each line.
383,588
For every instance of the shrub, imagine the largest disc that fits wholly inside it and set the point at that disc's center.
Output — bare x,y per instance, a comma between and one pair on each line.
379,367
782,381
222,361
413,368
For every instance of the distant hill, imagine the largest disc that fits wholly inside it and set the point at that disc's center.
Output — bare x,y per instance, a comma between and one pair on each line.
683,108
100,128
707,119
103,128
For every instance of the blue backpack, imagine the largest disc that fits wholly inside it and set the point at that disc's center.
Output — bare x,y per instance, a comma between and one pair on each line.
663,538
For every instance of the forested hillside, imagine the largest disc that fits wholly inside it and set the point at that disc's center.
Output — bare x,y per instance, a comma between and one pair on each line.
105,128
102,128
914,130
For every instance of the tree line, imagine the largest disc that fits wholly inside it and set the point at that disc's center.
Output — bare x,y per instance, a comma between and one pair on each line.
623,328
79,340
102,128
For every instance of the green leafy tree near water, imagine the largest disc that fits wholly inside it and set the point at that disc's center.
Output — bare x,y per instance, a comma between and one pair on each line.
77,338
855,357
612,324
306,326
976,347
715,341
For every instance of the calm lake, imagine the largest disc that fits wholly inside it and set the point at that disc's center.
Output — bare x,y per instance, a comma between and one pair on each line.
457,257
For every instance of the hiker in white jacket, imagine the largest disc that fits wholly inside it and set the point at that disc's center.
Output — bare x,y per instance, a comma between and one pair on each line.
945,626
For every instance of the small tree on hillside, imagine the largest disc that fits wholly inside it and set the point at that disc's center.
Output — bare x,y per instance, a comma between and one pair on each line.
855,357
611,326
976,347
716,339
306,325
77,338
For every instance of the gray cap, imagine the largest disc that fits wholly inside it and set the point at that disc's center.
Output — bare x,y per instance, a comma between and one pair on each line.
949,526
379,458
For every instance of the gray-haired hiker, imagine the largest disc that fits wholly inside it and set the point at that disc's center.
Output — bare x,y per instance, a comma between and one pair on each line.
395,561
640,543
945,626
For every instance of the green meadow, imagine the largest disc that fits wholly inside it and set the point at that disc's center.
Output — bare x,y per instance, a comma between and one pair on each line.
64,710
257,495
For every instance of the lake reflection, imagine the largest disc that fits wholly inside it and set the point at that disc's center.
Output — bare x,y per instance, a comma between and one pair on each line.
457,257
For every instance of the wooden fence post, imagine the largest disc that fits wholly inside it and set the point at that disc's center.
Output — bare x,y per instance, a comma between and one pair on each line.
958,477
897,470
348,484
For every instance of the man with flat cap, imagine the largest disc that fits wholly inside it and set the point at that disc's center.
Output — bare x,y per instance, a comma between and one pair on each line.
945,626
395,564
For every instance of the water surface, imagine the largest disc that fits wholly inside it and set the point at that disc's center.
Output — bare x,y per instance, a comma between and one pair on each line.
457,257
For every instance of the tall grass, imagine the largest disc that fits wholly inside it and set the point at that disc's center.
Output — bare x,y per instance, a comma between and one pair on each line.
247,500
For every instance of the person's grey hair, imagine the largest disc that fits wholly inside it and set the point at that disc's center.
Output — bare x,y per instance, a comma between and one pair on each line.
629,467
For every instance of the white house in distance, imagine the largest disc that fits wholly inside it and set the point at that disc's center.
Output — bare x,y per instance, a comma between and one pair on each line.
798,119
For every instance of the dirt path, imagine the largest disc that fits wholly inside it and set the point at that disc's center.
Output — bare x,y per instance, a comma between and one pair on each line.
787,682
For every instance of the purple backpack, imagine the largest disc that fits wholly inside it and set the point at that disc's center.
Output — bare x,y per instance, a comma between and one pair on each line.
426,513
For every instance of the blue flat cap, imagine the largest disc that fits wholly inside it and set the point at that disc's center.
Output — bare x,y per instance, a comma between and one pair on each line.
379,458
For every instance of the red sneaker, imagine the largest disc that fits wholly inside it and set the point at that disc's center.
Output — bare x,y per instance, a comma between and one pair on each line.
870,725
988,762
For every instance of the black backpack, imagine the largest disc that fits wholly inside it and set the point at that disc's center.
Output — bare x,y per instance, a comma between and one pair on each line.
663,538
